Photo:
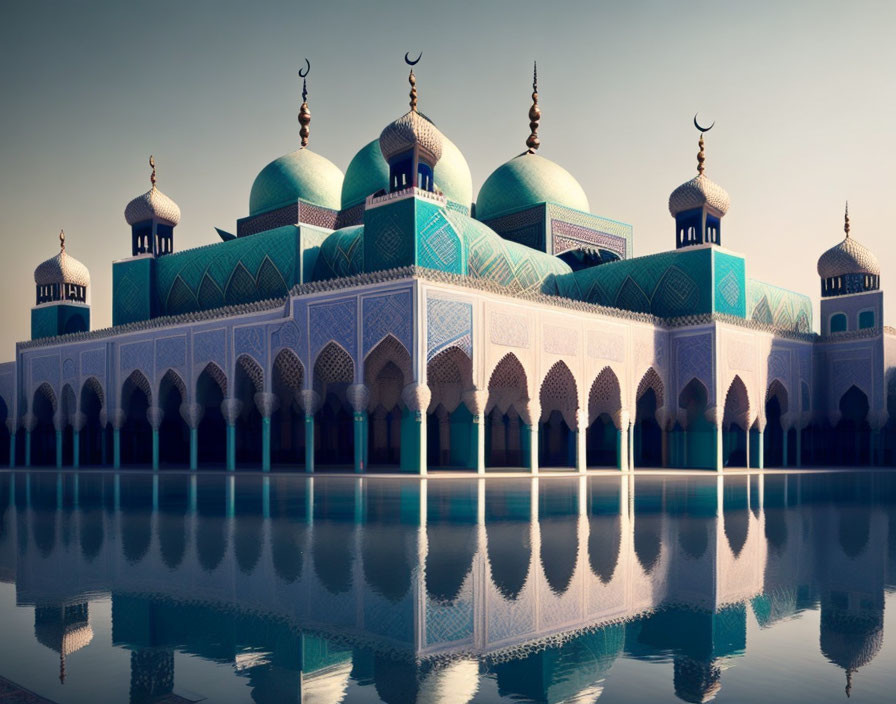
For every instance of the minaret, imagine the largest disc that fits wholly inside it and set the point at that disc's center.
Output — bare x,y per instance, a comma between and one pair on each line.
699,205
61,302
152,217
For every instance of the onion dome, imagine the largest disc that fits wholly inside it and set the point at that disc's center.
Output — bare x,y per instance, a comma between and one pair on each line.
62,269
848,257
699,192
152,205
412,130
301,175
368,173
850,639
529,179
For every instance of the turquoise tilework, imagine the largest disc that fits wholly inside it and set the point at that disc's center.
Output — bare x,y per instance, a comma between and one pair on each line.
439,246
341,254
50,321
777,306
730,284
389,235
133,290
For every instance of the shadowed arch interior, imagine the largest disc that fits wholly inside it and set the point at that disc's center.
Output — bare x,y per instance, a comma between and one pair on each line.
604,406
559,398
449,421
507,393
334,371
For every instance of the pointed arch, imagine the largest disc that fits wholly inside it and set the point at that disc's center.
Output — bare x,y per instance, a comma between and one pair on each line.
508,384
68,407
604,407
248,382
172,379
387,369
334,371
136,381
93,386
698,442
736,421
44,405
559,397
651,380
215,374
174,435
777,404
287,423
648,435
91,404
253,371
604,396
136,435
449,422
508,396
210,392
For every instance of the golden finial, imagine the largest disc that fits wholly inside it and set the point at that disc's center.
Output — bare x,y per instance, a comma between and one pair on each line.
846,219
701,155
412,79
534,113
62,240
152,165
304,112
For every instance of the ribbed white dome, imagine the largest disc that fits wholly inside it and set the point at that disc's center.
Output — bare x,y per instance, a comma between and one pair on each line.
409,130
62,269
152,204
696,193
848,257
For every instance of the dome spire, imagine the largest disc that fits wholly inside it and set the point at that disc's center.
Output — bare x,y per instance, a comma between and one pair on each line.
62,240
304,112
412,79
532,143
152,176
846,219
701,155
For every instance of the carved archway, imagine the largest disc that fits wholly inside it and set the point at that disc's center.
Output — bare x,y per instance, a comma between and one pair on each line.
559,397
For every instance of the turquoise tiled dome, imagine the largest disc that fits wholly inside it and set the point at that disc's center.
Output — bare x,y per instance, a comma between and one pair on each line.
368,173
302,174
527,180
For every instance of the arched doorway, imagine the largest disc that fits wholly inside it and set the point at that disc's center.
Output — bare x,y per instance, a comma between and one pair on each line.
248,381
334,371
648,440
853,432
92,437
43,437
67,411
387,369
697,438
776,406
559,404
507,392
604,406
174,435
211,390
735,423
136,433
449,421
288,421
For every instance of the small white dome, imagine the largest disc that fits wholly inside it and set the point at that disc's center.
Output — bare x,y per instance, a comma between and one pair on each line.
409,130
696,193
848,257
152,204
62,269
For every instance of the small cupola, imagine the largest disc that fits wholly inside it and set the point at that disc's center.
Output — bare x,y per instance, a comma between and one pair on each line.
152,217
61,278
699,205
411,145
848,267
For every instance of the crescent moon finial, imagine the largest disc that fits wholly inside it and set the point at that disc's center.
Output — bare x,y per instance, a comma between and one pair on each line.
303,72
304,112
407,58
701,127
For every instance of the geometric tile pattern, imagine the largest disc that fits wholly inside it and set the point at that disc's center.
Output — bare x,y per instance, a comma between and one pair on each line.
390,314
777,306
334,321
449,323
341,254
694,357
730,284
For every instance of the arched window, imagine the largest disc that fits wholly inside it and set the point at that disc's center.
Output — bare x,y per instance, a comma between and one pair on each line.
838,322
866,319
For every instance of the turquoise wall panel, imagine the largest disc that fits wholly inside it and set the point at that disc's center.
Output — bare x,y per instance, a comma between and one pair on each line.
389,235
340,254
50,321
133,290
730,295
438,245
777,306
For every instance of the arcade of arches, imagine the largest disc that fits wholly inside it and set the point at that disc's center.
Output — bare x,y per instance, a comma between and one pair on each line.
389,421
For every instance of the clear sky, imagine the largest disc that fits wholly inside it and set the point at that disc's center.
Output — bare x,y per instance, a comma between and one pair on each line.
802,94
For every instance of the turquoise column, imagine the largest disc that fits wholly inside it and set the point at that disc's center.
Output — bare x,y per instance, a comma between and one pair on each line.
231,447
194,448
12,450
27,448
477,423
76,449
784,451
799,447
58,449
720,458
619,445
266,444
760,451
104,434
309,443
359,427
155,448
116,448
416,398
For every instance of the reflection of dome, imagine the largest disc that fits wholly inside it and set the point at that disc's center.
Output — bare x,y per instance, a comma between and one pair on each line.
299,175
326,686
528,180
850,640
848,257
152,205
696,193
696,681
63,629
449,559
62,269
368,173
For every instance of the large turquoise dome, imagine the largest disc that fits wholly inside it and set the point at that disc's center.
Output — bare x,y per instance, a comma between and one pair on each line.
302,174
527,180
368,173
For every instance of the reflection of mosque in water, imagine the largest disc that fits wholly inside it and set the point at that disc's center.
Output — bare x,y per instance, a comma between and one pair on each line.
420,588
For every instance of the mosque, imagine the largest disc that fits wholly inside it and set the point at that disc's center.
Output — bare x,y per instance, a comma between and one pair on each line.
382,318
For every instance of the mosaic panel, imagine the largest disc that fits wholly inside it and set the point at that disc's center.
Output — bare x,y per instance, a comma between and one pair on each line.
449,323
341,254
287,335
336,321
509,330
389,235
779,366
559,340
250,340
603,345
93,363
527,227
171,352
45,369
566,236
694,357
69,370
438,244
778,306
287,215
136,355
210,346
730,285
389,314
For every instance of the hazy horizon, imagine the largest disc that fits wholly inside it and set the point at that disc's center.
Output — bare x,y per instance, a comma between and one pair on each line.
802,96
